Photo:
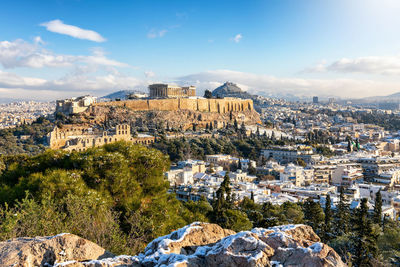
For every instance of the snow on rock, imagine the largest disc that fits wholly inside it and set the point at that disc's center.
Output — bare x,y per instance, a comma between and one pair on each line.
204,244
316,247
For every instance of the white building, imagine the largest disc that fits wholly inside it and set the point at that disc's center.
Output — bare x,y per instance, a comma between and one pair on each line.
347,174
296,174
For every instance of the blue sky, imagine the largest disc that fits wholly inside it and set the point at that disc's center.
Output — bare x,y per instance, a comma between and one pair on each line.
341,48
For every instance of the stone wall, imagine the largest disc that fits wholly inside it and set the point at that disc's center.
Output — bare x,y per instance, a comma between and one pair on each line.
221,106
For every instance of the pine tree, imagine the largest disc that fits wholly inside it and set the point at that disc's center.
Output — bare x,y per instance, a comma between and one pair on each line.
314,215
328,219
377,216
364,239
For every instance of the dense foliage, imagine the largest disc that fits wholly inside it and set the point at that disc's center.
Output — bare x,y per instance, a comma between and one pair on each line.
114,195
12,139
247,147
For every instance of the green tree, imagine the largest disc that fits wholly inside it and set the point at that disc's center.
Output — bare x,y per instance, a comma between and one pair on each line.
327,233
377,216
365,238
342,215
314,215
207,94
349,146
235,125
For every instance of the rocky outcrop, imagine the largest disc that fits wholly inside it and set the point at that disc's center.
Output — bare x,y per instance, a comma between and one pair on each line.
203,244
42,251
180,119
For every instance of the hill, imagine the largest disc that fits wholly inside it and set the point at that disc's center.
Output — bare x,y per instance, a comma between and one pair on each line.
229,89
378,99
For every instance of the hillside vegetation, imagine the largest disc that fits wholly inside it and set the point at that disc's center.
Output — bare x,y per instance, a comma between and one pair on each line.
115,195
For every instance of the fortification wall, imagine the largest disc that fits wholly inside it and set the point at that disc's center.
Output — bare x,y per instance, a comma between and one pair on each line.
200,104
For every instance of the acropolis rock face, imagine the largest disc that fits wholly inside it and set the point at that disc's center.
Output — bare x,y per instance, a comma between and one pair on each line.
197,244
180,118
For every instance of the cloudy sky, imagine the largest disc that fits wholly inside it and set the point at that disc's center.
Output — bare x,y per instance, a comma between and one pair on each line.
63,48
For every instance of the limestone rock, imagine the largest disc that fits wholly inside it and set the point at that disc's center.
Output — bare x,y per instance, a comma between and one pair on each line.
41,251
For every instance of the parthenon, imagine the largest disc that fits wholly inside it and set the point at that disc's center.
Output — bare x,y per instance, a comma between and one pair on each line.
171,91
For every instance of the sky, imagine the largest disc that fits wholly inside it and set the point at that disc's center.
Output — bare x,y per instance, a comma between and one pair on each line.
332,48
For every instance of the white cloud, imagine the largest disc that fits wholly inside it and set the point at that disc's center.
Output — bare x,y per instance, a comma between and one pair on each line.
384,65
58,26
276,86
155,33
237,38
87,74
23,54
149,74
20,53
38,40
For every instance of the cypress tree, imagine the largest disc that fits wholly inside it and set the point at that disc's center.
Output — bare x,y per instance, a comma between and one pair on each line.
328,219
273,136
239,165
377,216
342,216
252,196
227,189
235,125
349,148
243,129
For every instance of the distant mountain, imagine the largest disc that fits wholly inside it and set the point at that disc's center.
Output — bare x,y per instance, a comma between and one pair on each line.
230,89
378,99
120,94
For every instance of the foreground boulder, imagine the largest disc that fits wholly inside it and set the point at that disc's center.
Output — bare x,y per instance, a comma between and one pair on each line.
42,251
203,244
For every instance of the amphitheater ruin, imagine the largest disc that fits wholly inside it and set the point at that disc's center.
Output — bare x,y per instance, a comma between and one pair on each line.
80,138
